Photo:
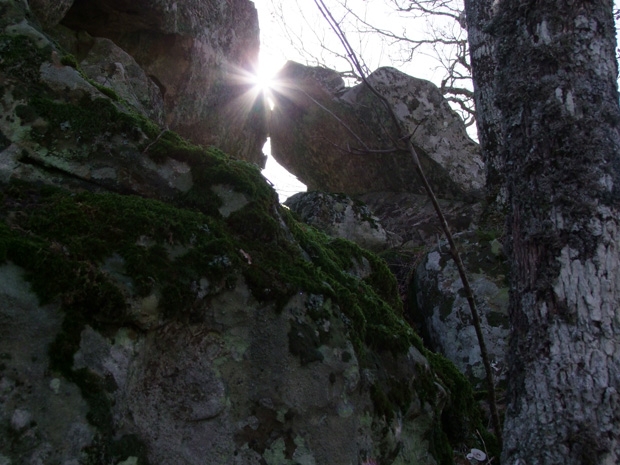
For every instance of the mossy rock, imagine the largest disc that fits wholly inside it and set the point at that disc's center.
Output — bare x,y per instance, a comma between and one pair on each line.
164,246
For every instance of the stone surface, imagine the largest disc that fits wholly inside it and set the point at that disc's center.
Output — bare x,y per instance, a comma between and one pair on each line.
340,140
110,66
443,312
115,158
340,216
412,218
174,312
437,130
199,54
49,12
37,424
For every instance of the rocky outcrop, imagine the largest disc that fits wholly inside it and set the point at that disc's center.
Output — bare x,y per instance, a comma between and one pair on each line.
50,12
110,66
443,313
197,54
339,139
412,218
340,216
158,305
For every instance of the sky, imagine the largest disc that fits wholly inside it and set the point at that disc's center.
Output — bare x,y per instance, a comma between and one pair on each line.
306,28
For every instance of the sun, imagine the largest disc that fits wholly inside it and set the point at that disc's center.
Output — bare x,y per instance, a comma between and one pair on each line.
263,79
259,85
265,83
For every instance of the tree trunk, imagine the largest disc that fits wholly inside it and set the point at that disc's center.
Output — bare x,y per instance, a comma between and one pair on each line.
557,94
484,66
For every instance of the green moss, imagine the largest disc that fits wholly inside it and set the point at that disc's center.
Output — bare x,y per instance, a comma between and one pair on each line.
21,58
69,60
110,93
461,418
170,145
87,121
489,234
106,450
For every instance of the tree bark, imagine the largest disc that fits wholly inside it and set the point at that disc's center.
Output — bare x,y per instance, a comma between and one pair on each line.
482,45
557,93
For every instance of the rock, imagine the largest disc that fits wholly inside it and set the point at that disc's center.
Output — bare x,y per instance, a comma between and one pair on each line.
333,139
105,145
444,314
110,66
340,216
175,312
20,420
49,12
199,54
412,218
29,407
424,112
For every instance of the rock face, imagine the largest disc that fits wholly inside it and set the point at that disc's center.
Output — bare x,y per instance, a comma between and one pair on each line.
340,216
412,218
110,66
159,306
198,54
336,139
50,12
443,311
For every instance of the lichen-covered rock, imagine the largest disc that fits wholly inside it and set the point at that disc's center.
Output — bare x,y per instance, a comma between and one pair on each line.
340,216
110,66
423,112
158,305
49,12
443,311
178,349
43,416
199,54
342,140
414,220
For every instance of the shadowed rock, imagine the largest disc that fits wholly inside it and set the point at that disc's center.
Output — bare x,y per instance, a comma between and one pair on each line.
199,54
339,139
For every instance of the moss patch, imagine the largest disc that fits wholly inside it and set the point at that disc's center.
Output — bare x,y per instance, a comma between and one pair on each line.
21,58
461,418
89,120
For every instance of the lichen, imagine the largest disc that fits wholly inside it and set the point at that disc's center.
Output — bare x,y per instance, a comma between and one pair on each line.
63,238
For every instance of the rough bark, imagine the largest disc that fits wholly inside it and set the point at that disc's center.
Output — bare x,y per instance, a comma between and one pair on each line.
557,93
479,14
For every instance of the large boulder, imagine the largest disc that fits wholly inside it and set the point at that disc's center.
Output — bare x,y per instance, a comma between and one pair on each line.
49,12
198,53
110,66
338,215
339,139
413,218
158,305
442,311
